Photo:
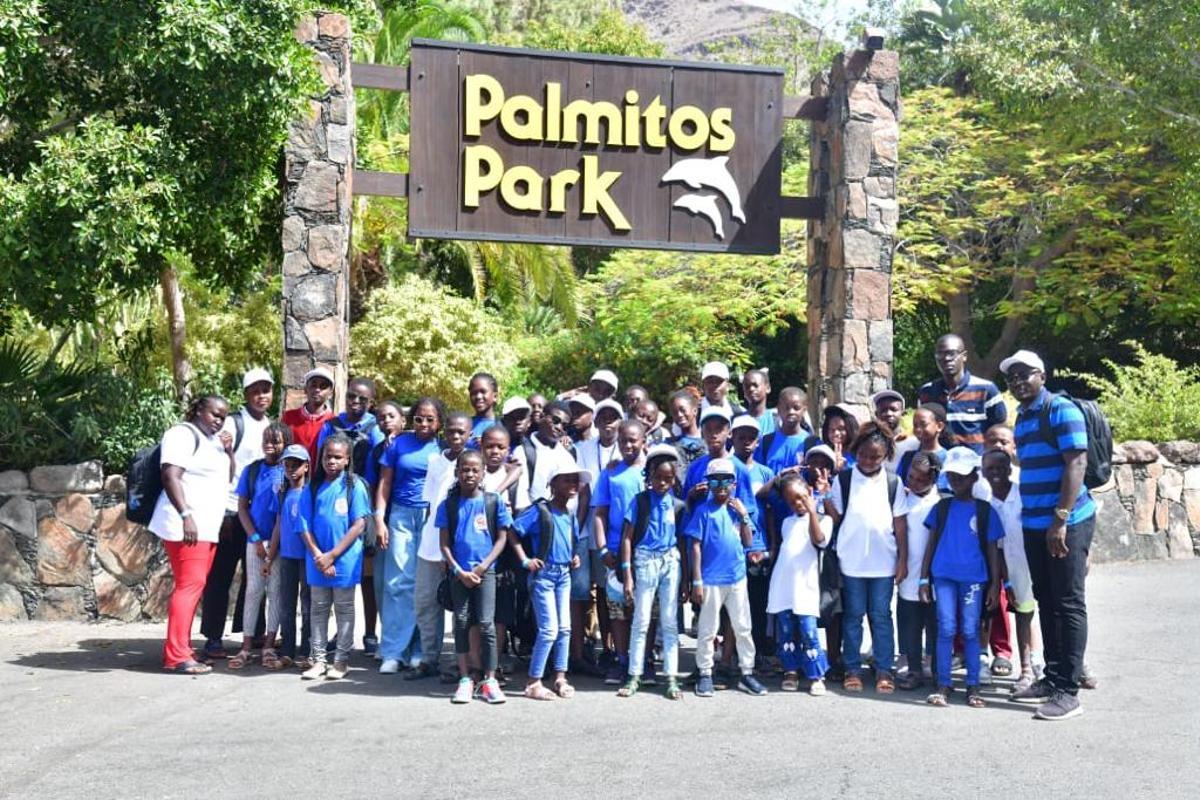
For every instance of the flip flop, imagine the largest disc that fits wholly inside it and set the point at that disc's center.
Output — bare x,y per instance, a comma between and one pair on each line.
564,690
190,668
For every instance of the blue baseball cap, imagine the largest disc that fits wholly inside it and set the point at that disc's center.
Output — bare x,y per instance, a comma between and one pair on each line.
296,451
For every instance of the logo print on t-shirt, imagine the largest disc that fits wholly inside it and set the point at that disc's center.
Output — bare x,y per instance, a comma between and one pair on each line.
341,506
480,523
974,525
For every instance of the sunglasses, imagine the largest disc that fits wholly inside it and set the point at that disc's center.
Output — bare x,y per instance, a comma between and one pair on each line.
720,482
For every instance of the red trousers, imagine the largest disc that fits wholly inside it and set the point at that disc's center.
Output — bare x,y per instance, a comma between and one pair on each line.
189,566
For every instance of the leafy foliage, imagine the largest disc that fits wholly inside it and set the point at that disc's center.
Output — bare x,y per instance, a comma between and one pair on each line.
1153,398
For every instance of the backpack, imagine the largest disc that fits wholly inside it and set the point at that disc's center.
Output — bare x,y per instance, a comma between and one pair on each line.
491,501
829,574
369,534
641,515
983,516
239,430
360,445
143,480
545,532
1099,438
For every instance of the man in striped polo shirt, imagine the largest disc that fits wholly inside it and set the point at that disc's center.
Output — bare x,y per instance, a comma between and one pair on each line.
972,404
1059,518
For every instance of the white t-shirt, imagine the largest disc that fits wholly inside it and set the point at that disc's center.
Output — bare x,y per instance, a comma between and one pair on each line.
535,486
866,544
903,446
1013,543
438,480
248,450
915,509
795,581
205,484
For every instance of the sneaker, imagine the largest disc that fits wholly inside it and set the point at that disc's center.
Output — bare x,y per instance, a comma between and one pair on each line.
1060,706
390,666
817,688
752,685
464,692
704,686
1038,692
614,674
317,670
650,676
337,671
985,674
491,692
370,645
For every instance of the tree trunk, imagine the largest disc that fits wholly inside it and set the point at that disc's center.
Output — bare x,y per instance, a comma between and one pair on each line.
181,368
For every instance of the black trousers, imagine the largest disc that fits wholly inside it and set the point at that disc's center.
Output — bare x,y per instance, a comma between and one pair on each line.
758,588
294,587
1058,586
231,551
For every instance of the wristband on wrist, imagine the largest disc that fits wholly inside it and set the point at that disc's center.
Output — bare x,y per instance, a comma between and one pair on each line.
455,570
603,552
624,565
923,582
187,512
697,583
525,564
1008,584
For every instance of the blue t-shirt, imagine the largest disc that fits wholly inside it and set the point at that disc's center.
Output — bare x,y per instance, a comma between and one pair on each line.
722,560
472,539
370,472
958,556
766,422
786,451
743,488
478,426
290,543
760,475
263,497
368,423
529,526
335,511
409,457
616,489
660,524
1042,465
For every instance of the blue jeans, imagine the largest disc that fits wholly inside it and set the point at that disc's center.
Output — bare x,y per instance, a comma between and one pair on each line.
397,609
550,595
957,599
799,645
871,597
655,572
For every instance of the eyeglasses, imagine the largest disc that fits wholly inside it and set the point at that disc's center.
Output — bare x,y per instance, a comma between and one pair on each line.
945,355
720,482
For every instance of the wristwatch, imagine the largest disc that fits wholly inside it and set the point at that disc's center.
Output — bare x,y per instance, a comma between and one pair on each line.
1063,514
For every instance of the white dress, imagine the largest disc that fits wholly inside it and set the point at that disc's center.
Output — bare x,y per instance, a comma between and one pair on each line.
795,582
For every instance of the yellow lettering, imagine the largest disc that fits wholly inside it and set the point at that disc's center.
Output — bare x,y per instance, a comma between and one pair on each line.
553,112
723,136
596,199
476,182
521,188
632,137
592,113
478,112
654,115
559,183
679,135
510,118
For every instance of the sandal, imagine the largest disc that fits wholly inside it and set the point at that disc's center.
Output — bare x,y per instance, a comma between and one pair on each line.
270,660
302,663
240,660
630,688
790,682
536,691
190,668
673,692
852,682
885,683
1002,667
564,690
975,697
940,697
214,651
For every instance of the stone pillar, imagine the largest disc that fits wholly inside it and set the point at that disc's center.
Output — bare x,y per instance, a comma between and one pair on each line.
319,160
853,161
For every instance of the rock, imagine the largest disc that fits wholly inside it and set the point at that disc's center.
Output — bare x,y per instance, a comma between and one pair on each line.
305,140
860,248
306,29
856,150
880,187
1152,547
315,297
13,568
871,294
883,66
318,189
12,604
1179,541
885,142
1191,504
1191,478
116,600
158,592
337,110
60,603
856,389
1161,515
1114,538
331,72
1170,485
115,485
76,510
1138,451
13,481
881,340
338,140
296,264
85,477
123,548
865,103
1180,452
335,26
19,515
1144,494
1123,474
63,558
293,233
855,355
856,201
883,215
327,246
293,335
326,337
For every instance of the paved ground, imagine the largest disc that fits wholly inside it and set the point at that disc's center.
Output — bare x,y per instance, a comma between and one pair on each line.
84,711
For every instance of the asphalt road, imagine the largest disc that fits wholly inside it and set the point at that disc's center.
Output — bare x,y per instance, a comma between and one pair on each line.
85,712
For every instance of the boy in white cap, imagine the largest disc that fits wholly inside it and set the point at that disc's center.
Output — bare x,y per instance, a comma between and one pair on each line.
720,529
714,381
602,385
889,409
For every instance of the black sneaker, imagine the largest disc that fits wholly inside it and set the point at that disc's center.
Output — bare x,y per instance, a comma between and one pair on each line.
614,675
752,685
704,686
1059,707
1038,692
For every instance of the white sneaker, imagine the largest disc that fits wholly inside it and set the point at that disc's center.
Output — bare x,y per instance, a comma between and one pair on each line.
337,671
390,666
985,673
317,670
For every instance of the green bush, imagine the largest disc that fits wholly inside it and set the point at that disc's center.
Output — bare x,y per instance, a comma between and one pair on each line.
1153,398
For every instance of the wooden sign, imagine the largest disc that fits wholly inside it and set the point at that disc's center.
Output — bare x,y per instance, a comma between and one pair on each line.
564,148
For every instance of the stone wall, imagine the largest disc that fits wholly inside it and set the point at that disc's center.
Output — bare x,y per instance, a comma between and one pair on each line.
1152,507
67,551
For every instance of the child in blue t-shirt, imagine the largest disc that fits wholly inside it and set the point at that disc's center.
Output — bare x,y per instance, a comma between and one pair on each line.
482,391
784,448
964,582
471,543
720,529
745,437
333,517
288,543
549,561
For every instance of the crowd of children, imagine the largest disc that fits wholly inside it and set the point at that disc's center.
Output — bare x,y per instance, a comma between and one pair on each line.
582,532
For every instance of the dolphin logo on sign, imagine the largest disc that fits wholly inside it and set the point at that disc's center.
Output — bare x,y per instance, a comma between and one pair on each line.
706,206
707,173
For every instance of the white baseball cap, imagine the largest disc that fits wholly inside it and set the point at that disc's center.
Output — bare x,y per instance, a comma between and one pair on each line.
319,372
961,461
715,369
1026,357
605,376
583,399
611,405
821,450
744,421
662,451
513,405
257,375
569,469
714,411
719,466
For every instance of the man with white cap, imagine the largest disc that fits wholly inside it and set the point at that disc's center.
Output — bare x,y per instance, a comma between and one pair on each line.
714,382
246,426
889,409
603,385
1059,519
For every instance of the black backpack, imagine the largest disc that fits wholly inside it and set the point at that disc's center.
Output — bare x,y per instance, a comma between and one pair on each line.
369,534
360,446
641,515
143,480
983,516
829,574
1099,437
491,502
545,533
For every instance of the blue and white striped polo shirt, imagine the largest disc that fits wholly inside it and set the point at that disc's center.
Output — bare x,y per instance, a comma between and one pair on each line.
1042,465
971,407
